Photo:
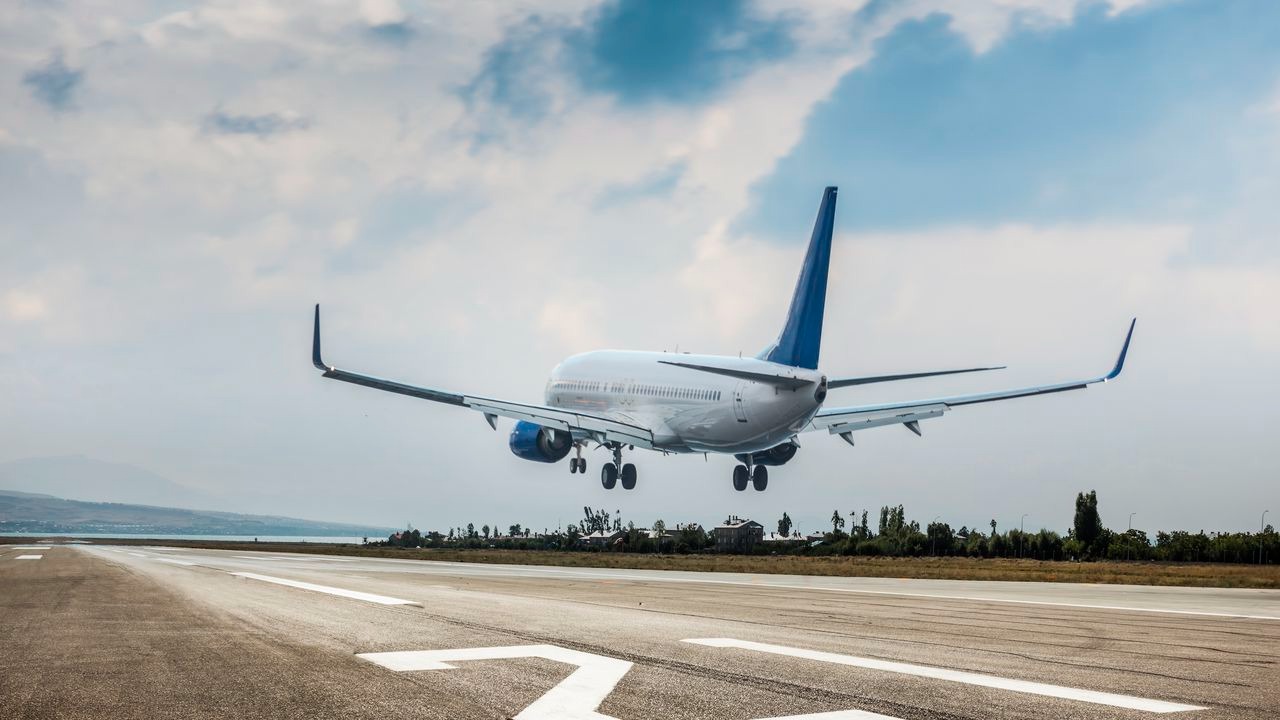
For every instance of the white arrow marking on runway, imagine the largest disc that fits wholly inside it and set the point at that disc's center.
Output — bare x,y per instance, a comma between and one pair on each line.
575,698
968,678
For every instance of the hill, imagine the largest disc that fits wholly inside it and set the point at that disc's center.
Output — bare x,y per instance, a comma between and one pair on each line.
28,512
85,478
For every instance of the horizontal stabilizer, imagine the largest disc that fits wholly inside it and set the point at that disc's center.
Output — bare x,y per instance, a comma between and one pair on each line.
834,383
782,381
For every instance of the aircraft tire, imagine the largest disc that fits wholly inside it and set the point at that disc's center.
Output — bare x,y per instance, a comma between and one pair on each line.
608,475
573,465
628,477
760,478
740,477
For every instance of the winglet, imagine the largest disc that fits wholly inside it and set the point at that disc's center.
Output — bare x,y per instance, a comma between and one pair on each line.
1115,372
315,345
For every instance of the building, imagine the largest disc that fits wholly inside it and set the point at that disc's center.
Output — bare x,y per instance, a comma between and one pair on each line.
738,534
602,538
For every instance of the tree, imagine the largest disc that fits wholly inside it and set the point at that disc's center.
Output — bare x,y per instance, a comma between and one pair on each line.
993,527
514,530
471,530
594,521
485,531
837,522
784,525
1088,524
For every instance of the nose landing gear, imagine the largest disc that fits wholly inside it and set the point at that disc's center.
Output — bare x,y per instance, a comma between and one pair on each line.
610,472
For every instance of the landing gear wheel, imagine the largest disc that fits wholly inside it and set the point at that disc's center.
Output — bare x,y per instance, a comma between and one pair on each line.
628,477
608,475
582,465
740,477
760,478
573,465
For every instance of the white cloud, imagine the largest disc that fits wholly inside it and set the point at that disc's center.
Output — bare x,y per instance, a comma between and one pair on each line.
174,300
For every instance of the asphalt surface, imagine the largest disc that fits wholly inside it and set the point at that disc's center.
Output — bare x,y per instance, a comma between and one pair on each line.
130,632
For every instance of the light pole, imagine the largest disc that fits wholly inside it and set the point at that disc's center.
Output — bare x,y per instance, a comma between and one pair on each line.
933,540
1129,534
1021,534
1262,526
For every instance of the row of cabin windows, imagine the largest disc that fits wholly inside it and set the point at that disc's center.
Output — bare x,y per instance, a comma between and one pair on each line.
662,391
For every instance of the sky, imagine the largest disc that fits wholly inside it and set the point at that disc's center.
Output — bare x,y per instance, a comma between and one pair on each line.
476,190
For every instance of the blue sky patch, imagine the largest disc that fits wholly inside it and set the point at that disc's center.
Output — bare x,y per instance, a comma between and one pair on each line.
1134,116
54,84
672,51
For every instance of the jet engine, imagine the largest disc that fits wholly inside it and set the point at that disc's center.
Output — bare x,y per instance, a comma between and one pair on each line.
531,441
777,455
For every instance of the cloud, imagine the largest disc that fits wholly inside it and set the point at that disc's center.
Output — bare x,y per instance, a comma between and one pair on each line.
54,84
221,123
172,254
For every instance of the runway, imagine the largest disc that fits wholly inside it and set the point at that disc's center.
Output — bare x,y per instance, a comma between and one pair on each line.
93,631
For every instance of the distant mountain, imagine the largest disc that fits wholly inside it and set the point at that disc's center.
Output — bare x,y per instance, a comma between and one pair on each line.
27,512
83,478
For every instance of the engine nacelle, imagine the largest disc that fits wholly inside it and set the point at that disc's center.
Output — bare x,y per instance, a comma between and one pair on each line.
777,455
530,441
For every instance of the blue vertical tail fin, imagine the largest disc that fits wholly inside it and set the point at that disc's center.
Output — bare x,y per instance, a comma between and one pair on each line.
801,337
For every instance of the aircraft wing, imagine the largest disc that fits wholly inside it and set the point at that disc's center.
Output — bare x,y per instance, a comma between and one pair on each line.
844,421
599,428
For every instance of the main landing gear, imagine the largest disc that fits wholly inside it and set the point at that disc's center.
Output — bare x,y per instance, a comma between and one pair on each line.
577,464
757,475
610,474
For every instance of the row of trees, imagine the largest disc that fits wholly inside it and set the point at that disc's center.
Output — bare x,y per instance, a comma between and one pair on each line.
1087,539
894,535
683,539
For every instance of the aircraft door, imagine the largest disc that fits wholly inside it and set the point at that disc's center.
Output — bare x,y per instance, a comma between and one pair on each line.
739,402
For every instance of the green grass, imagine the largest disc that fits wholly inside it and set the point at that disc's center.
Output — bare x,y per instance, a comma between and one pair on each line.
1128,573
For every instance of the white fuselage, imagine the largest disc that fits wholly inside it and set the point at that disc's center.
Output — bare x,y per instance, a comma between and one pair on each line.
689,410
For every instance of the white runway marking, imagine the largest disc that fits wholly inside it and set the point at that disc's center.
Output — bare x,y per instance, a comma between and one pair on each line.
353,594
578,696
137,554
837,715
575,698
174,562
968,678
28,547
28,557
862,591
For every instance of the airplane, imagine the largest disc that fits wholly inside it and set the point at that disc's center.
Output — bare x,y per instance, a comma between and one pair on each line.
753,408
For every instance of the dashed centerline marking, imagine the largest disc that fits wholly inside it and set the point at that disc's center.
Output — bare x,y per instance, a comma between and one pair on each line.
969,678
28,557
340,592
171,561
